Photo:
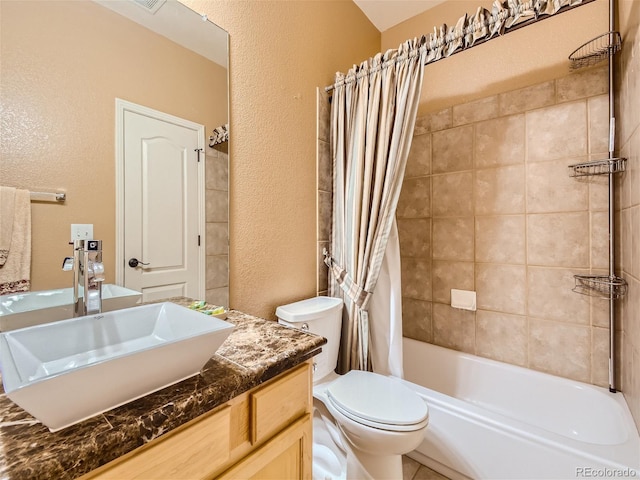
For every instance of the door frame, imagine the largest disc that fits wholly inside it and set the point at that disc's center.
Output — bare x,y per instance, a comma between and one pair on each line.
123,106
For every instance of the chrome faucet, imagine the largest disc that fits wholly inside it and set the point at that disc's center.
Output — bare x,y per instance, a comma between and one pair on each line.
88,275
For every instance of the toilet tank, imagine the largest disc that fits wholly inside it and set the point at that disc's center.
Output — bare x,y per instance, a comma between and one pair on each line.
322,316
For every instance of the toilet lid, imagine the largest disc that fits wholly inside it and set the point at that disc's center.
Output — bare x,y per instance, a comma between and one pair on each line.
376,398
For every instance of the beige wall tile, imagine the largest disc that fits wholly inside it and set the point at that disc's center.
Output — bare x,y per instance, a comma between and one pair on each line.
419,160
452,194
632,312
454,328
416,278
633,165
557,132
433,122
584,83
218,296
623,180
216,171
599,192
415,237
528,98
560,349
626,238
324,114
475,111
501,288
600,356
502,337
323,270
453,238
500,190
600,240
500,239
599,124
415,198
500,142
416,320
217,206
635,240
452,150
558,239
325,167
441,119
550,295
422,125
447,275
217,238
551,189
217,271
324,216
600,312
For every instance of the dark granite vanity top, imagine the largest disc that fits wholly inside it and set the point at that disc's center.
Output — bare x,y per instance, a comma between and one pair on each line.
256,351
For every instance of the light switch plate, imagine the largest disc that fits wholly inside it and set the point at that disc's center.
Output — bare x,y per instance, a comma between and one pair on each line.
81,231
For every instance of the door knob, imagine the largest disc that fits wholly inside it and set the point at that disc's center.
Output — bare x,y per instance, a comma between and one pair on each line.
134,262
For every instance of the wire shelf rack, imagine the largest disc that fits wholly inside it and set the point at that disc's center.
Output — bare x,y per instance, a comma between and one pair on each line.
602,286
596,50
598,167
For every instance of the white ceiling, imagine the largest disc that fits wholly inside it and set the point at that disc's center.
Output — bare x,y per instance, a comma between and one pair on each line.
385,14
178,23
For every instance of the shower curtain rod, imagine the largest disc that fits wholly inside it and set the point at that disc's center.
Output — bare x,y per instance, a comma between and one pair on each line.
480,41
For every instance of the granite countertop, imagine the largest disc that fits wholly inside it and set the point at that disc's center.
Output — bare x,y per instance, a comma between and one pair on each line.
255,351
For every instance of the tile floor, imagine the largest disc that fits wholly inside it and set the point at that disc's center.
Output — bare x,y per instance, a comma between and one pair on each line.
412,470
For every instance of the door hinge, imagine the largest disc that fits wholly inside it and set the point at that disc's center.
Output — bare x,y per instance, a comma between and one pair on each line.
198,152
198,240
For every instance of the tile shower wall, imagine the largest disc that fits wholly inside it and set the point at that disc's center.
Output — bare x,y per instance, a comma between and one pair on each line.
217,224
488,205
324,180
629,213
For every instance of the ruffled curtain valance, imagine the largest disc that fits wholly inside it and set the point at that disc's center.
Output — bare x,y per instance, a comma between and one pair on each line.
484,25
220,134
471,30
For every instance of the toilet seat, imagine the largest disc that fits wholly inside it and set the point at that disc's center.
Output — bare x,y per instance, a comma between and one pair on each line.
377,401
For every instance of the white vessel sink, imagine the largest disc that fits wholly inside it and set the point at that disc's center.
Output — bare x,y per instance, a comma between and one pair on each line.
20,310
67,371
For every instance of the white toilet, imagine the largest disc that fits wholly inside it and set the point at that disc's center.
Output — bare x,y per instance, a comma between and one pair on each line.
380,418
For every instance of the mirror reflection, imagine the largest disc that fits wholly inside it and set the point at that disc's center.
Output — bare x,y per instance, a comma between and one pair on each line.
76,75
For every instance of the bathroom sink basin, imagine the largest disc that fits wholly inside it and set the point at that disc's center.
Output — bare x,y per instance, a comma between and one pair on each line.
67,371
21,310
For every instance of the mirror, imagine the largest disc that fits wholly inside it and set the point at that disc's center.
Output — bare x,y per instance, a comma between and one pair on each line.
64,64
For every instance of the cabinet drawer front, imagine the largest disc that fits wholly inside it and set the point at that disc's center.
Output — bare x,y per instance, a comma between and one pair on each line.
276,405
192,452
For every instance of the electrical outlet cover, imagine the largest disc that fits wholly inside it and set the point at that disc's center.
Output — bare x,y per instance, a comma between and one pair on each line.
81,231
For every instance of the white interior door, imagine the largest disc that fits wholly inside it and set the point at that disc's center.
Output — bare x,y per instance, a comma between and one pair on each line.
162,211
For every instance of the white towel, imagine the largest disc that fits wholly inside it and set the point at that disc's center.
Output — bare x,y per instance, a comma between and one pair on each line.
15,273
7,211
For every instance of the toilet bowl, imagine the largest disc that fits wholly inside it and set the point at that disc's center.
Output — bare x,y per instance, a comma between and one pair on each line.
378,418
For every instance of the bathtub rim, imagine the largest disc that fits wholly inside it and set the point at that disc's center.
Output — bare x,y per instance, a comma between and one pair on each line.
621,455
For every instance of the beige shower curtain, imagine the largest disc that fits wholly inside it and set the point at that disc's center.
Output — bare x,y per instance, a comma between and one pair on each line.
373,112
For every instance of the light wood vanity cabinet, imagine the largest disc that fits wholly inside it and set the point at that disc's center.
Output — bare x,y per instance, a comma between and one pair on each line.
264,433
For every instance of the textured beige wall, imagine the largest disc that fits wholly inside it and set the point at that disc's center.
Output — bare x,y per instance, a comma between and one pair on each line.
523,57
63,64
280,52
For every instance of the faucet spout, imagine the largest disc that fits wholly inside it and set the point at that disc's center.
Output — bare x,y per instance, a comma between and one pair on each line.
88,275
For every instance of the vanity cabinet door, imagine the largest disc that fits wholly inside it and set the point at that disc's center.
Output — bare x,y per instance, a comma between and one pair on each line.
280,402
287,456
189,453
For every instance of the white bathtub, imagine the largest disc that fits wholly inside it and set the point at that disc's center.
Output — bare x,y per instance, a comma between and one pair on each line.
491,420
